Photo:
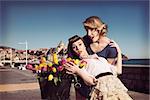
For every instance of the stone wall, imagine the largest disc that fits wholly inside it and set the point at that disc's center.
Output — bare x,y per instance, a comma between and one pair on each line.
136,78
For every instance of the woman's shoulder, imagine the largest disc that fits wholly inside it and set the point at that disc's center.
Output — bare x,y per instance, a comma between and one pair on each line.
106,40
108,51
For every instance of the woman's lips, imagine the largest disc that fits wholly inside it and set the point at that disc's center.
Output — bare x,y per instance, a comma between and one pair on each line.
79,52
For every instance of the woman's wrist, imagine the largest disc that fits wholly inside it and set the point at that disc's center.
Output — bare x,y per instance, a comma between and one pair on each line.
78,71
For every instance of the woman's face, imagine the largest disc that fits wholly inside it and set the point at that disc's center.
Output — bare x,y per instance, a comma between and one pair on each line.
79,48
93,34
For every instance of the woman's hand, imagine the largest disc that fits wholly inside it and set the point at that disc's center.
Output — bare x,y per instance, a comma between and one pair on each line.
74,69
71,68
114,44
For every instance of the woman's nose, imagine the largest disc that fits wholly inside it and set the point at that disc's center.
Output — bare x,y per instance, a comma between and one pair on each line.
89,33
77,48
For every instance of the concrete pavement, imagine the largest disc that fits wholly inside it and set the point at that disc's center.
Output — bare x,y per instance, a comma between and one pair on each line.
22,85
18,84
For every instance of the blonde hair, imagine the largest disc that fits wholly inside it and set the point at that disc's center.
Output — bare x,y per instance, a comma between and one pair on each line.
95,22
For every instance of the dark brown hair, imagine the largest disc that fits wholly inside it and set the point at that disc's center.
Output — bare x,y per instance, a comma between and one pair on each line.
70,51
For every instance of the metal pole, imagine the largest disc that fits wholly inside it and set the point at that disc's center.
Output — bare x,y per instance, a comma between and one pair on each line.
26,44
0,57
11,57
4,55
26,52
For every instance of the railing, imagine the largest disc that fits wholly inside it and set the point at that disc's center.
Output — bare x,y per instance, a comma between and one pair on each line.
136,77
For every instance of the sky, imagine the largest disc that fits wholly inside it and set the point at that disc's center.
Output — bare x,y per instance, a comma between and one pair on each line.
43,24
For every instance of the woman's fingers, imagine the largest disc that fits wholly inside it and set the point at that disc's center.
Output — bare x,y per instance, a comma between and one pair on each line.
69,64
114,44
68,72
70,67
72,63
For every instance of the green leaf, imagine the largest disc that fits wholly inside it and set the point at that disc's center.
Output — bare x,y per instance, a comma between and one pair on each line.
59,79
55,80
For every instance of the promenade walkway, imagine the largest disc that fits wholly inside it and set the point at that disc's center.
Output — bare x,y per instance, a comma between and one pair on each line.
22,85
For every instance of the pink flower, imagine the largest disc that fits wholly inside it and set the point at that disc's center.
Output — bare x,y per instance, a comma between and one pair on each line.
63,61
60,68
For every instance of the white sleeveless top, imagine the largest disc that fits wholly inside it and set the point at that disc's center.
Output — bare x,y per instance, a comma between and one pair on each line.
97,65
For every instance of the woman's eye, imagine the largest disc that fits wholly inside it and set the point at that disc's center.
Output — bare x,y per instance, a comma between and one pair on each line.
90,28
80,44
73,47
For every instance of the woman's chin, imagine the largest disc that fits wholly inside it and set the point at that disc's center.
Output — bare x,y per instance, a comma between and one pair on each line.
83,56
94,40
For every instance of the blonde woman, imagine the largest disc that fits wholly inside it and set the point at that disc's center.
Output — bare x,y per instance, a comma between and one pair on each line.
99,42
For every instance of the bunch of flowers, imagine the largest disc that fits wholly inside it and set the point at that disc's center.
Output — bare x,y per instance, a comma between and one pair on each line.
52,70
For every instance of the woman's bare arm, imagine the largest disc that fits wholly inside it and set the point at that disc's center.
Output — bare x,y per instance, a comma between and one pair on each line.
119,58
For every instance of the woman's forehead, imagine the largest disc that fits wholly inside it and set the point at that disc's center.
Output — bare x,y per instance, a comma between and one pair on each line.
78,41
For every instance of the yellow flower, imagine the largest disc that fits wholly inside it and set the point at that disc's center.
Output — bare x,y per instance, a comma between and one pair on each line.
81,65
76,61
36,67
41,65
44,65
55,58
54,70
50,77
50,64
68,59
43,60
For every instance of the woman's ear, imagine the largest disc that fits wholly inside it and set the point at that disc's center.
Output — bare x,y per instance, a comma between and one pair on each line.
104,30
